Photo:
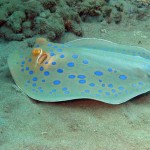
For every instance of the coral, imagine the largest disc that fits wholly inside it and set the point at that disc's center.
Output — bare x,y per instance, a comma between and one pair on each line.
31,42
116,12
73,27
142,9
28,33
26,25
113,12
117,17
92,8
100,10
68,25
77,29
8,34
21,19
48,4
45,14
15,21
51,26
51,35
143,2
67,13
33,7
3,16
25,18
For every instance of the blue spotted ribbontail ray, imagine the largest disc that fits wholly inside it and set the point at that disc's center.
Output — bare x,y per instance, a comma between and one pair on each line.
85,68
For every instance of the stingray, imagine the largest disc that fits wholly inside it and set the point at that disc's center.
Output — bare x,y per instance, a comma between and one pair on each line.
84,68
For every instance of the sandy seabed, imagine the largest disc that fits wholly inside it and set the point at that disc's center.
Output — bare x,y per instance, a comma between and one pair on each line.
80,124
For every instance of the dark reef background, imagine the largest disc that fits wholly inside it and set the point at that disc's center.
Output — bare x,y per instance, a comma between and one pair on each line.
20,19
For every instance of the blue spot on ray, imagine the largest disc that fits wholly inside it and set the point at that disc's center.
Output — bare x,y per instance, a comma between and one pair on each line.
91,84
46,73
62,56
21,56
53,63
27,68
110,85
110,69
98,73
107,94
66,92
34,78
120,88
41,90
82,81
41,68
29,60
134,85
56,82
64,89
103,85
81,76
87,91
85,62
123,77
59,50
52,54
71,76
37,45
30,72
60,70
70,64
140,83
28,81
43,80
100,91
34,84
53,90
23,62
54,46
75,56
113,90
49,44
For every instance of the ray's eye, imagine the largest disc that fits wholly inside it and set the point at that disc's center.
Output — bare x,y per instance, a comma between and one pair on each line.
36,51
40,54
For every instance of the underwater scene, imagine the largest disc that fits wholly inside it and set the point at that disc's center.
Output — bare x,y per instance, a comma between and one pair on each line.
75,75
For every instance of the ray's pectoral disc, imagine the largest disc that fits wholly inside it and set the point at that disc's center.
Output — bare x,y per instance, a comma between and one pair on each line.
85,68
